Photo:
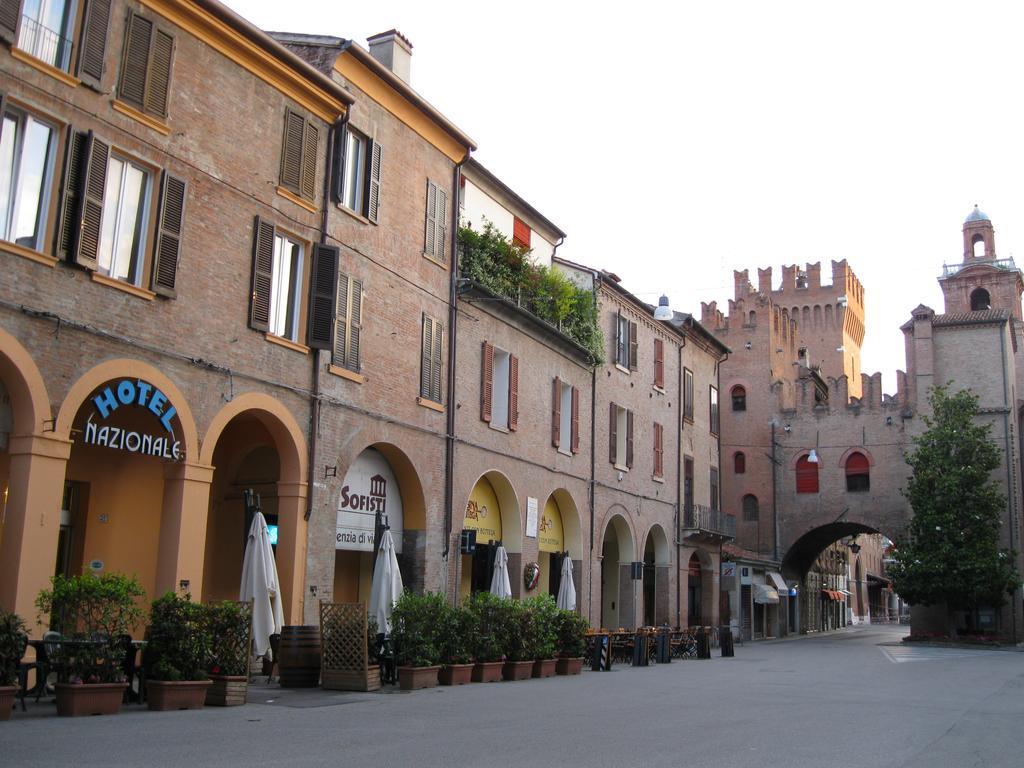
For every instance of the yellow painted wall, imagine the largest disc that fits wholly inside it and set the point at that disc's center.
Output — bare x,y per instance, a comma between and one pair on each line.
353,576
483,513
549,529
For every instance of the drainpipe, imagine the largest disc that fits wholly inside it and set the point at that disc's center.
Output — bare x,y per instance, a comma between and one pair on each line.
314,417
679,485
775,513
1009,474
592,491
449,441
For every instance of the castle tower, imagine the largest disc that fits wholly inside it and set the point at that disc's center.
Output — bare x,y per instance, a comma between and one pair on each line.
981,281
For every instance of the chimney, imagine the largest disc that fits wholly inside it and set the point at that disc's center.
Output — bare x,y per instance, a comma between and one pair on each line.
394,51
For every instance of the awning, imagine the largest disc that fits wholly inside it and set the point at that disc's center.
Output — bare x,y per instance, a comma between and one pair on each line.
778,581
831,594
765,595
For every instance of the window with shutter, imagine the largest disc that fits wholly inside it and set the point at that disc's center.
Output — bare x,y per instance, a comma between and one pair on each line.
715,490
264,234
659,363
632,346
435,236
739,398
70,194
621,330
43,30
486,381
556,412
687,394
322,295
299,155
94,182
806,475
170,228
613,433
575,425
659,451
739,463
513,392
27,148
348,323
373,183
629,439
858,473
713,403
146,66
430,360
92,46
520,232
436,362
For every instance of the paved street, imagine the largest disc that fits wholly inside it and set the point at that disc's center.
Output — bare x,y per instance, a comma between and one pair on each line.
844,699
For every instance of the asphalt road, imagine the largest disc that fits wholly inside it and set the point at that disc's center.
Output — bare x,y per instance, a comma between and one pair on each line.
844,699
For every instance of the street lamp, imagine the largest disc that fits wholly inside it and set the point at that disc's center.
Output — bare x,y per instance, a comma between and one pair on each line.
664,311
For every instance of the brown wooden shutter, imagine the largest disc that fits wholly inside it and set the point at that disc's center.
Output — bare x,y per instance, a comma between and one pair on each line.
158,75
613,433
93,45
10,18
513,393
430,231
629,439
355,303
658,451
132,87
426,351
262,274
310,143
616,340
291,151
372,196
659,363
556,411
341,322
441,225
338,163
632,346
575,440
70,194
94,178
167,249
486,381
322,291
435,370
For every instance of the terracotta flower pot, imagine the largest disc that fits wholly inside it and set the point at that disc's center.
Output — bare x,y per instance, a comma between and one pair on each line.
569,666
517,670
7,694
544,667
227,690
164,695
74,700
487,671
414,678
456,674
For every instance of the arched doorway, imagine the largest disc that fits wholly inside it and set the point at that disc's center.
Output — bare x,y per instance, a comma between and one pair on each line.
492,514
380,488
617,590
655,577
558,536
254,443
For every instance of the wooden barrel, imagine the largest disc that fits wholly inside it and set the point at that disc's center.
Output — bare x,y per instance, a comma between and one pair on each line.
298,661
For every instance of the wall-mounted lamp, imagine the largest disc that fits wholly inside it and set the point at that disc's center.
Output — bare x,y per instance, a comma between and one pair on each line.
812,457
748,345
787,428
840,349
664,311
183,585
854,546
330,471
888,421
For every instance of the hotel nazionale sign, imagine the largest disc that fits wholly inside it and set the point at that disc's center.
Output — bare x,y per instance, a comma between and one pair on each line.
155,438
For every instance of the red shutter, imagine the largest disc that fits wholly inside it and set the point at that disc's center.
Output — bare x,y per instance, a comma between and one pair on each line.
629,439
659,465
556,412
857,464
575,445
486,381
632,346
659,363
613,433
513,393
520,232
806,476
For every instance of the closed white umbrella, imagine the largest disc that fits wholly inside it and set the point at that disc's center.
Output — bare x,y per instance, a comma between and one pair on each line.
500,584
387,583
566,589
260,585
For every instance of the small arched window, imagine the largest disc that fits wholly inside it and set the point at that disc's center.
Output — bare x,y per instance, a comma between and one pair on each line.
750,509
978,246
753,318
739,398
980,300
858,473
806,475
739,463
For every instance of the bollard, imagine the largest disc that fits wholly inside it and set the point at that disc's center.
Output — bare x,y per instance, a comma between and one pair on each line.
725,640
703,644
640,650
664,648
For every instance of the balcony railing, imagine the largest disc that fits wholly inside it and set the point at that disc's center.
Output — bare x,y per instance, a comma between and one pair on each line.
45,44
700,519
948,270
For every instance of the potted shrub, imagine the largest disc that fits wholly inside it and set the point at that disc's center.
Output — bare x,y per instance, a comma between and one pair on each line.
486,616
544,638
12,647
518,640
457,632
415,624
228,624
571,630
177,654
95,614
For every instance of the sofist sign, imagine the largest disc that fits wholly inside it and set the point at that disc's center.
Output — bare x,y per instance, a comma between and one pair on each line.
140,397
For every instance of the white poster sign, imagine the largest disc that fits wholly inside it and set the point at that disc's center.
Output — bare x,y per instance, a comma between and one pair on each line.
531,517
369,487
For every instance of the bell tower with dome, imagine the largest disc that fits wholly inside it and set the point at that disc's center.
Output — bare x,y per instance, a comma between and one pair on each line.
982,281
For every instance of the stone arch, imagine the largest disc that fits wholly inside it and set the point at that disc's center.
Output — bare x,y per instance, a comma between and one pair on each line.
508,501
856,449
617,552
128,368
655,585
30,402
278,420
662,552
802,553
980,300
571,532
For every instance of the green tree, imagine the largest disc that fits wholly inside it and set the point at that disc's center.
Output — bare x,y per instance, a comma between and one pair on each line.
950,553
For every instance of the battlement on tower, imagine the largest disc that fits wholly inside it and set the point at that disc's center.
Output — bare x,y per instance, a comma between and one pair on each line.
809,396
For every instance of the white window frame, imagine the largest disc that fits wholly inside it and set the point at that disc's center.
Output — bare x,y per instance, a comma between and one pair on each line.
499,389
565,418
286,324
354,171
22,120
106,262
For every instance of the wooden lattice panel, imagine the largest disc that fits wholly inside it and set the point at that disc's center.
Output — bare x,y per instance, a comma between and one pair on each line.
344,652
231,643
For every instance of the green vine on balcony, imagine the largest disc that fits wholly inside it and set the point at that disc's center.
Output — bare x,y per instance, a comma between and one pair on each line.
491,260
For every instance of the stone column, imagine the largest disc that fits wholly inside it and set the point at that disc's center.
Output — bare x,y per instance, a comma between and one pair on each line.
183,520
291,547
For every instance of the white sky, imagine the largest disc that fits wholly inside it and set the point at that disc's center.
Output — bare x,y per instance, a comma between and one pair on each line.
677,142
